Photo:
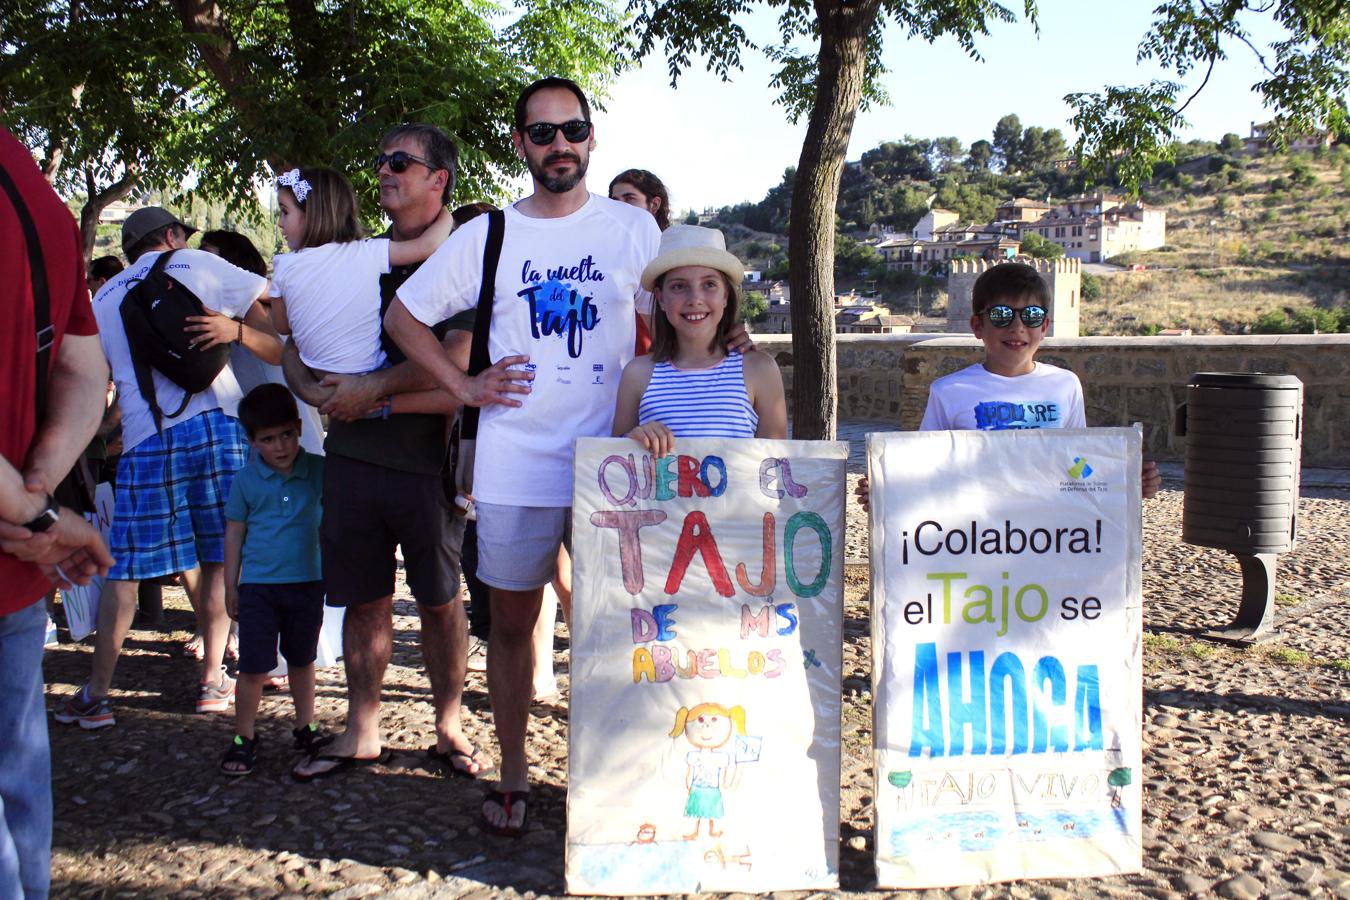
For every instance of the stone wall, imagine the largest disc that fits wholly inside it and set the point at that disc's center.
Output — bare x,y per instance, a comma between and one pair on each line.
1125,380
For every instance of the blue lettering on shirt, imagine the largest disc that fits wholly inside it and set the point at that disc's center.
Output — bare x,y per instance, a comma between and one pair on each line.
557,307
999,415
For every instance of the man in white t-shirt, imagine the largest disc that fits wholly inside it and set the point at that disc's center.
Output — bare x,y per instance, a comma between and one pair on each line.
172,480
566,289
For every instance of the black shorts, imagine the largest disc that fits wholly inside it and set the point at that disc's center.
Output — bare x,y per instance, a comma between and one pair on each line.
291,612
368,510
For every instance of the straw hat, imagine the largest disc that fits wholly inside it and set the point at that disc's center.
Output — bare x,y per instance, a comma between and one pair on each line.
692,245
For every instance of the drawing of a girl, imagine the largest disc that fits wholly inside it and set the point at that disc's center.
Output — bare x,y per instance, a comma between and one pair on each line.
708,726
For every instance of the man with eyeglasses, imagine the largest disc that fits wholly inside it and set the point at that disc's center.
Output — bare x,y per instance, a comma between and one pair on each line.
562,328
383,488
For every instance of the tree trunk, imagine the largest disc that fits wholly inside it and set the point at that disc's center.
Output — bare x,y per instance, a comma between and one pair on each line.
844,27
98,200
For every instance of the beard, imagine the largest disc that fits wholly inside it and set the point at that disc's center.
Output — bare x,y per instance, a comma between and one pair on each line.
558,184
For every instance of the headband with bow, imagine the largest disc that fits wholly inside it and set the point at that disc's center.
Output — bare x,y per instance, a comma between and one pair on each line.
299,186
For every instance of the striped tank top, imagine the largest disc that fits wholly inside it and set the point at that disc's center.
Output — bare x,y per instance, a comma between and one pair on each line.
700,402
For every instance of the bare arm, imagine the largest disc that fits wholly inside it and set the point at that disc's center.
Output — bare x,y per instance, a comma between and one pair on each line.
497,384
255,333
402,253
437,400
408,388
300,379
77,394
234,556
764,383
277,312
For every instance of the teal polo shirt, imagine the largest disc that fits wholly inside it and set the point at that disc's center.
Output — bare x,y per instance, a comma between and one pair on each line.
282,513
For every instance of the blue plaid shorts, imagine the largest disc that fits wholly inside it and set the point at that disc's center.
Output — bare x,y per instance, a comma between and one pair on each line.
169,507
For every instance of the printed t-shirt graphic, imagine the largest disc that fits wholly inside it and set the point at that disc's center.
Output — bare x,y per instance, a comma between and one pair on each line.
565,294
976,399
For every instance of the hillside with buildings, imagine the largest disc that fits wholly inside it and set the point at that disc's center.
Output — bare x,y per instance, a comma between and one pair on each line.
1231,238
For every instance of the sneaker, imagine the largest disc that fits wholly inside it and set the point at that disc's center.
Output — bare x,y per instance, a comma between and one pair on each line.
477,655
216,697
90,712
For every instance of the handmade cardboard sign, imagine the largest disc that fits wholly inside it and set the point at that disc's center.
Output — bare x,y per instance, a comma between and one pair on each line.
1006,633
706,655
81,601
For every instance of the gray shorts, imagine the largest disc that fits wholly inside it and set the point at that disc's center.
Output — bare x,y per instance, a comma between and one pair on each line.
518,545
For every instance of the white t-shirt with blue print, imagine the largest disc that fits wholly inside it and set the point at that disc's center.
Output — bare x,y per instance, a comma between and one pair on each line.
976,399
566,293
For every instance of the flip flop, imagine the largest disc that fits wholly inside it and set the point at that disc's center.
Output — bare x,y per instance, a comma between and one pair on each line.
342,764
507,800
449,758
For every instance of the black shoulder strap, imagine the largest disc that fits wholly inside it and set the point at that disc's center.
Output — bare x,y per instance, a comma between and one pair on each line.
42,311
482,322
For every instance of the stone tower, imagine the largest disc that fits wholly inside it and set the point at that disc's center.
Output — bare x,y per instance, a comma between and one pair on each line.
1063,276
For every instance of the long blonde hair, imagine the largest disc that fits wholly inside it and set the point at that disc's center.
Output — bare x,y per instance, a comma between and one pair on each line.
736,714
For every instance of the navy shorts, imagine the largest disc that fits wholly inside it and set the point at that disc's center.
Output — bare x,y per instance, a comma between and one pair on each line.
291,612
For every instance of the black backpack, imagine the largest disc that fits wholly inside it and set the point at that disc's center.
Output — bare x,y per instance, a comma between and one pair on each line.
154,314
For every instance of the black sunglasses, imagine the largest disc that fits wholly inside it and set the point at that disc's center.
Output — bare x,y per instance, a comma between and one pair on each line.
1002,316
541,133
399,161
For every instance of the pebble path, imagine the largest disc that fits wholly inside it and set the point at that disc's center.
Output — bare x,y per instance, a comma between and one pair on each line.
1246,759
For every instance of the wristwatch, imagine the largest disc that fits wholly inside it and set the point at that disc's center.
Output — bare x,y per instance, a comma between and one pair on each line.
45,519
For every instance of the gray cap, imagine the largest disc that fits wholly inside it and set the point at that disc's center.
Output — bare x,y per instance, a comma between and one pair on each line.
144,221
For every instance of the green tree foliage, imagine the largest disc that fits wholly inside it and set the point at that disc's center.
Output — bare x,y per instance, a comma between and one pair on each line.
853,257
1008,142
1092,287
1040,147
1307,71
1231,144
754,306
228,92
1041,248
980,157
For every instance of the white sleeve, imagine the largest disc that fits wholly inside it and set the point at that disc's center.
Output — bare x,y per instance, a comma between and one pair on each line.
448,282
280,266
934,417
1075,416
223,287
649,245
376,252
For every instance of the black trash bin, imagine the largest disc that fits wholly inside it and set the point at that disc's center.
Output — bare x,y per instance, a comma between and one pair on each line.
1243,444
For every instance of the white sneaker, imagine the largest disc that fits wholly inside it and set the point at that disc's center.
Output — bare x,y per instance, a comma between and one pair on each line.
216,697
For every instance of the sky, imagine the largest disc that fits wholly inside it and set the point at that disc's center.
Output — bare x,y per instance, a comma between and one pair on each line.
715,143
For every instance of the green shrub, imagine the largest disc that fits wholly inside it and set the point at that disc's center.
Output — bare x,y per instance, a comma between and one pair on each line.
1092,287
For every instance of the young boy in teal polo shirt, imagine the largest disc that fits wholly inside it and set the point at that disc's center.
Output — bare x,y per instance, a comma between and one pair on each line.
273,583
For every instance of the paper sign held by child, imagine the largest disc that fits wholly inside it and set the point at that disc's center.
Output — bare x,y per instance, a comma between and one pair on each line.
1006,633
704,750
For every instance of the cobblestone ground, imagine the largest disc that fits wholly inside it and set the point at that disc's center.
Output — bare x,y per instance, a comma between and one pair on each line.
1247,760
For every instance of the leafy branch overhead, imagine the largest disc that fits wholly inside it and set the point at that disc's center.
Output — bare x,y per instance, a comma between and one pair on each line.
1126,130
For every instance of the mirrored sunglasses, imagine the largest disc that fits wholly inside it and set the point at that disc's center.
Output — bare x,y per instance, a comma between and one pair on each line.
541,133
399,161
1002,316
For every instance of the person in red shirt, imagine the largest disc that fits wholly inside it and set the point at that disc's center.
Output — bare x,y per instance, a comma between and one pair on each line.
39,541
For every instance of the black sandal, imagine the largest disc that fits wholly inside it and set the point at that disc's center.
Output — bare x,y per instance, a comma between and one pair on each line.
310,739
242,755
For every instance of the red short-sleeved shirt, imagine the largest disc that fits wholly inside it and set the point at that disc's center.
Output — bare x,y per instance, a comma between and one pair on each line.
63,258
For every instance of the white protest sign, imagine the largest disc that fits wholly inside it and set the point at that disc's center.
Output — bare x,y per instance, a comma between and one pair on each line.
81,602
706,655
1006,633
